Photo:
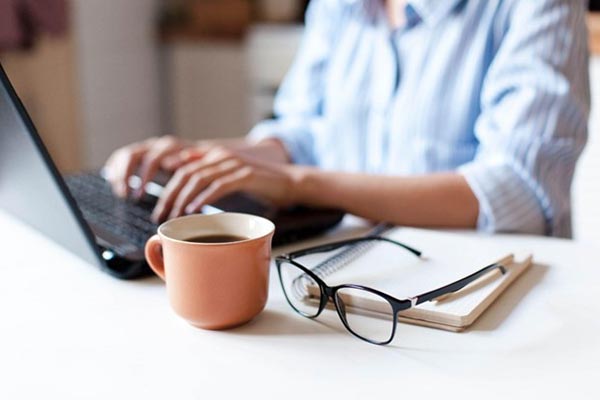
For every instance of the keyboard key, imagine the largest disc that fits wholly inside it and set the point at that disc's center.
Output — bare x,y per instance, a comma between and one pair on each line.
122,218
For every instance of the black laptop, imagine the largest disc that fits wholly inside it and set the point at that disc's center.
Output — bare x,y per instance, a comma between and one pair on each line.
81,213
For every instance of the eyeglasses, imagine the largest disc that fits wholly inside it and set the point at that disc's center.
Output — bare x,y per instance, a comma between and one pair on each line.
308,294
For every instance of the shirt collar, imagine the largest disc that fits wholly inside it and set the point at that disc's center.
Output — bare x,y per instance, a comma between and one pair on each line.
431,12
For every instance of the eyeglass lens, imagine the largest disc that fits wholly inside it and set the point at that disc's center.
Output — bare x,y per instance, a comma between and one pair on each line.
304,295
366,314
301,290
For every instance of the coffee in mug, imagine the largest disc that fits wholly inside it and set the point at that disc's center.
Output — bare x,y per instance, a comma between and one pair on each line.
216,239
216,267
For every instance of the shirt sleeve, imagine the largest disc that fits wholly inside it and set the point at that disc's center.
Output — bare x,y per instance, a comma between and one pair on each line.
298,104
533,122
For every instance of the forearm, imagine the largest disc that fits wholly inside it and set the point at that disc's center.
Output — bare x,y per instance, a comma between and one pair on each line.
435,200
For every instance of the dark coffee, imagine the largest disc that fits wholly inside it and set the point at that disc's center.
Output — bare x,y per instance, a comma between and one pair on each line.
215,239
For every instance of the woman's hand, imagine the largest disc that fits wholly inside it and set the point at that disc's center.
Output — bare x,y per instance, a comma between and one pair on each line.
169,153
145,157
213,173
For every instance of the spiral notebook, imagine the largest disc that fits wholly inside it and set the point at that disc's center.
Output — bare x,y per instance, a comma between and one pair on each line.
447,258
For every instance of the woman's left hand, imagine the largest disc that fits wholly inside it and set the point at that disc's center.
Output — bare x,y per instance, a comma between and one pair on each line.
222,171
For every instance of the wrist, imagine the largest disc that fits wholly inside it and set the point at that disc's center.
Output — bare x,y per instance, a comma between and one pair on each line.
269,149
301,178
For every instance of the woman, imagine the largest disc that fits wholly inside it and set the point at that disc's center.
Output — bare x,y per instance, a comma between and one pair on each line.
455,113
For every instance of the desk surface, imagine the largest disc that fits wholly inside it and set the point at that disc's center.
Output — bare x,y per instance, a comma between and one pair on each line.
69,330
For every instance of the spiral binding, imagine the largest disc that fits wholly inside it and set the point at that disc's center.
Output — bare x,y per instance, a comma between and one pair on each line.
348,254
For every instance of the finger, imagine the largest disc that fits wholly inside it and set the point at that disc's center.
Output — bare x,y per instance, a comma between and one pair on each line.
178,159
198,182
152,160
221,187
121,166
172,189
210,157
110,173
180,178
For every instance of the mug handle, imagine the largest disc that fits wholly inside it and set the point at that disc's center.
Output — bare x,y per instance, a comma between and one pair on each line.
154,256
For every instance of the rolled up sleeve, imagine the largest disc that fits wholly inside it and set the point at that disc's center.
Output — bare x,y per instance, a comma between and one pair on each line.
533,122
298,104
506,201
295,135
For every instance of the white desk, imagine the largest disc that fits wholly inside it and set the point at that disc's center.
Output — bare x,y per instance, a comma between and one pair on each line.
70,331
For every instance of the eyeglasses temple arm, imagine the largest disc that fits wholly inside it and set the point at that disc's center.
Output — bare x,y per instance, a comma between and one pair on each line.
350,242
456,286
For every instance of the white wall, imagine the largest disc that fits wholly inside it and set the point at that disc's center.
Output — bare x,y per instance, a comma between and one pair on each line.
207,89
586,186
271,49
119,65
222,88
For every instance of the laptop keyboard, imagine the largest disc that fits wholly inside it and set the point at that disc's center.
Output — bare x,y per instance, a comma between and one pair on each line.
125,219
130,221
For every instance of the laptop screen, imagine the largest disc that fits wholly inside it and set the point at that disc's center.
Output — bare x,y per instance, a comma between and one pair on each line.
30,186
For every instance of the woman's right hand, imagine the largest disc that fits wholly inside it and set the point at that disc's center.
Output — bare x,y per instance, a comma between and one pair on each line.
145,158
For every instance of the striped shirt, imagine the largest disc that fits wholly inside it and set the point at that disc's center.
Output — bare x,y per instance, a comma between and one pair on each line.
496,90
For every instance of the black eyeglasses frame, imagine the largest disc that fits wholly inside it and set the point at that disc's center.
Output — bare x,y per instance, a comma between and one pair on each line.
398,305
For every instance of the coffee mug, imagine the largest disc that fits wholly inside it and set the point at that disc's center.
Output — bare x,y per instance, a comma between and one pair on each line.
217,284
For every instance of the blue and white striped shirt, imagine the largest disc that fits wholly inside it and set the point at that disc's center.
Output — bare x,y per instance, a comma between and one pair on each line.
494,89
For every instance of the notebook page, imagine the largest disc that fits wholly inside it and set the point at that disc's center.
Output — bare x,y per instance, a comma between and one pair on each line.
447,258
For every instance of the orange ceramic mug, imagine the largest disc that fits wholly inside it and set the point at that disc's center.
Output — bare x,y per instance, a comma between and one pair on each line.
214,285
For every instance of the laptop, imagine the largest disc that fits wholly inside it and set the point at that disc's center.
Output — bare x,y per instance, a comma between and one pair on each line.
81,213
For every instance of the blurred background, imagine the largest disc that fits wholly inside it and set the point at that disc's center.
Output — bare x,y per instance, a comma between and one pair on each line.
99,74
